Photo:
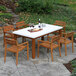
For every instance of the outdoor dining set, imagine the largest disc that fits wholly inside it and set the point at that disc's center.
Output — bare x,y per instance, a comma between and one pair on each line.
38,31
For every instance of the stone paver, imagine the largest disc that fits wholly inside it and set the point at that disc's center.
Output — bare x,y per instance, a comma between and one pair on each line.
42,66
52,69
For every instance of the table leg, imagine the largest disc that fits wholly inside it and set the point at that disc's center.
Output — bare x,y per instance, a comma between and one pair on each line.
23,39
42,38
33,48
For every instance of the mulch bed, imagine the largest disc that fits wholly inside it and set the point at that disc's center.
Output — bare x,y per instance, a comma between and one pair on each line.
69,66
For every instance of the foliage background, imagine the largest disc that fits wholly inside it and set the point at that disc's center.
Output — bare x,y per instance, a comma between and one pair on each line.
35,6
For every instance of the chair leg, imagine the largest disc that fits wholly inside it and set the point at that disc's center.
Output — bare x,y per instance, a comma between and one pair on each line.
38,51
52,54
5,55
65,50
27,53
72,48
59,51
60,45
16,58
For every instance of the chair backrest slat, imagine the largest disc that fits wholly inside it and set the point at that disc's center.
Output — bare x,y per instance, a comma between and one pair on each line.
8,28
20,25
55,39
10,41
60,23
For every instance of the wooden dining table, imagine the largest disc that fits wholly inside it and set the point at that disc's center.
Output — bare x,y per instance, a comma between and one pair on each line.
33,35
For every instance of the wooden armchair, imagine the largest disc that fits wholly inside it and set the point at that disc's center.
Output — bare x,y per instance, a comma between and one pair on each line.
15,48
60,23
7,30
67,38
50,44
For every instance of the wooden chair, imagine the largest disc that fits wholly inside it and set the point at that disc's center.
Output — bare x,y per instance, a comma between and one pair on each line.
50,45
60,23
67,38
7,30
15,48
20,25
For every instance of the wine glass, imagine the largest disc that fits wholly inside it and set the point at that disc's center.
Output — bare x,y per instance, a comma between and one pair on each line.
32,25
43,25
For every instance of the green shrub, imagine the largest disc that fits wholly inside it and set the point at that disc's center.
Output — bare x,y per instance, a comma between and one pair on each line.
74,67
74,36
35,6
2,8
6,15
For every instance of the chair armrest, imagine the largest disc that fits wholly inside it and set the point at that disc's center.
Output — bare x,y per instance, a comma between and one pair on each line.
51,36
43,41
23,43
40,41
68,35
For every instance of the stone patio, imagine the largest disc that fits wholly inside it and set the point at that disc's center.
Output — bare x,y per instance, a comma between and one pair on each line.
42,66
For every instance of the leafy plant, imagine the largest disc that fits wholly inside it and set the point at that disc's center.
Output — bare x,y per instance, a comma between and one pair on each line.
74,67
74,39
35,6
6,15
2,8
